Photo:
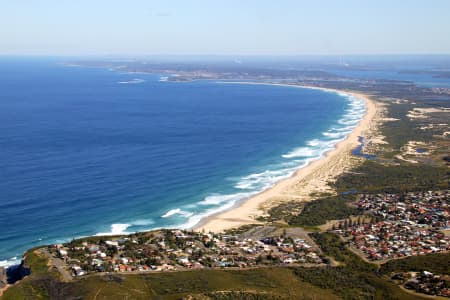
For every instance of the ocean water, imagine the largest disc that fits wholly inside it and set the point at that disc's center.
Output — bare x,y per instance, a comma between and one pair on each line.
88,151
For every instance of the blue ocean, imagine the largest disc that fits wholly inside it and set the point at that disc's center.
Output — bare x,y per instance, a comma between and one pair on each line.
88,151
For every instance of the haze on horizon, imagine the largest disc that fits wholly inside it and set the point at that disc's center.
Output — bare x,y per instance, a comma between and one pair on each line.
232,27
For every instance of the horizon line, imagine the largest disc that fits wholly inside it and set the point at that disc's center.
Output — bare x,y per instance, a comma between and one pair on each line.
217,55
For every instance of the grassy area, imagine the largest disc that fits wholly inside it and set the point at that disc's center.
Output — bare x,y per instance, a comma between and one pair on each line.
332,245
320,211
437,263
374,177
354,278
269,283
27,288
282,212
263,283
398,133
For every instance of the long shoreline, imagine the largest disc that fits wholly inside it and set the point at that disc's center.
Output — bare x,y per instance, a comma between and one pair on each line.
245,211
311,178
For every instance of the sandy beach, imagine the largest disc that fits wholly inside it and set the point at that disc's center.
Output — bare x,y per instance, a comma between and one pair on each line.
313,178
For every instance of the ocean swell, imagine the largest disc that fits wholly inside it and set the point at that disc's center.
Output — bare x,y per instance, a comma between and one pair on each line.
188,215
252,184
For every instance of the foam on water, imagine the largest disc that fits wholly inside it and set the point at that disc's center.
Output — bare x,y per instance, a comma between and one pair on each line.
316,148
116,229
195,219
323,143
177,211
348,121
346,128
133,81
10,262
301,152
121,228
219,198
334,134
143,222
264,179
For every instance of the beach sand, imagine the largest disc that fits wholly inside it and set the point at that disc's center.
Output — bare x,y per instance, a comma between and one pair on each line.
313,178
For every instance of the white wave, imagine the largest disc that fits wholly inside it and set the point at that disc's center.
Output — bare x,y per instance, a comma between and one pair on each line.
355,116
322,144
345,128
177,211
265,179
143,222
119,228
10,262
116,229
336,134
133,81
317,148
257,182
349,122
171,213
219,198
195,219
264,174
360,107
301,152
314,143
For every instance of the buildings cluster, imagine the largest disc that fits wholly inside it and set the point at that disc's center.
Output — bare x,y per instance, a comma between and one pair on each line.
401,225
169,250
425,282
441,90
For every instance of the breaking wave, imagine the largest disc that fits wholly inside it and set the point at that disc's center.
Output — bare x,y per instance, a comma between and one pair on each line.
177,211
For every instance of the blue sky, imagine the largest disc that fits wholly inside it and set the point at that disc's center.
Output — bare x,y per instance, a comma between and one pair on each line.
224,27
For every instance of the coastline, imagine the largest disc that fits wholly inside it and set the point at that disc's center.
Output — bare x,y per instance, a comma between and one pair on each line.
312,178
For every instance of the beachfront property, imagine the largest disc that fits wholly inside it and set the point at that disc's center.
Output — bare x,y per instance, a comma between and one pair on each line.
177,250
401,225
